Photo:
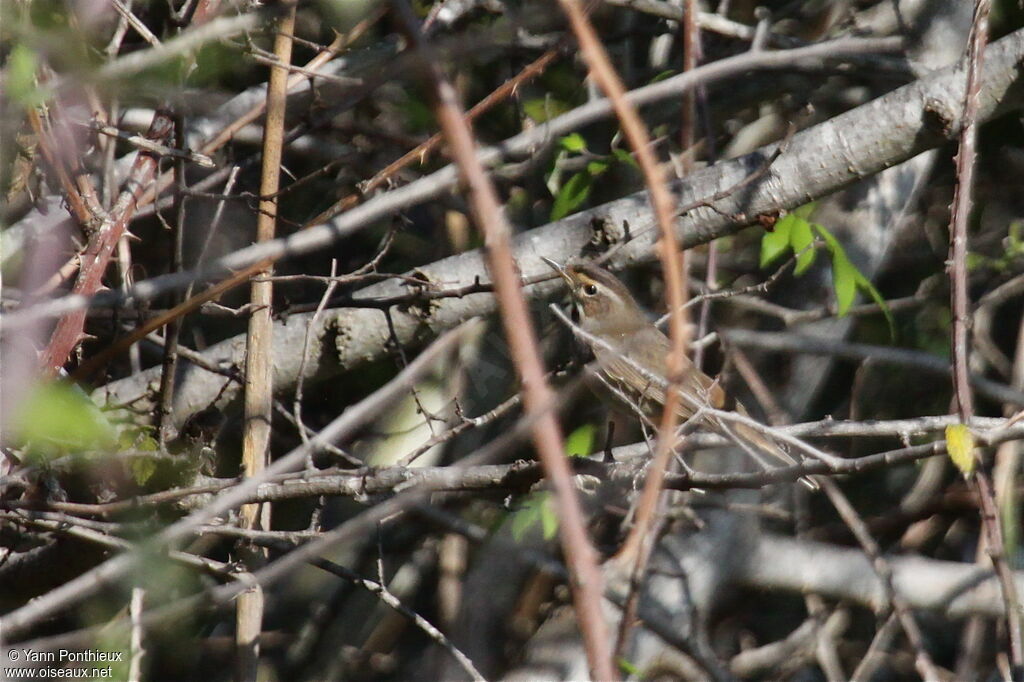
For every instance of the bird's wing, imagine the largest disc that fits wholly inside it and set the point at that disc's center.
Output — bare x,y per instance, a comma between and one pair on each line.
647,388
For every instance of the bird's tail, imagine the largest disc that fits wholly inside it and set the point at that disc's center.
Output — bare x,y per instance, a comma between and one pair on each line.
758,444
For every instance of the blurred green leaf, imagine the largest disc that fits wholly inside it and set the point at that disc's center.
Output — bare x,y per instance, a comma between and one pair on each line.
573,142
541,109
57,415
132,437
142,469
776,242
580,442
548,517
622,156
418,115
536,508
572,195
598,166
628,667
21,76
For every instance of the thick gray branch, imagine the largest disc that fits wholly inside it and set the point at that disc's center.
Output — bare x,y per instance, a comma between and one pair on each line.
955,589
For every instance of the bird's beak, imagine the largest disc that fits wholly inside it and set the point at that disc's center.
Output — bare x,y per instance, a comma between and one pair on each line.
560,269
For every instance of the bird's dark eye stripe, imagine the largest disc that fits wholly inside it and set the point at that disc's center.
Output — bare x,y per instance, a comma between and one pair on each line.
590,289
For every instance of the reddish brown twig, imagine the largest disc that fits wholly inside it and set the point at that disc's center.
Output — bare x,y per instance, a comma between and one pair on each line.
86,369
587,583
101,245
422,151
962,203
672,263
79,194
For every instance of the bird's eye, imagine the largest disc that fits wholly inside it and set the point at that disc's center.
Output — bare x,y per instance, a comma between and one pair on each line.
590,290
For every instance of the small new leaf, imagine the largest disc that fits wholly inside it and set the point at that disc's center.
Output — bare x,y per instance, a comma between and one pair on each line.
622,156
573,142
537,508
844,281
960,446
847,279
801,239
776,242
572,195
580,442
142,469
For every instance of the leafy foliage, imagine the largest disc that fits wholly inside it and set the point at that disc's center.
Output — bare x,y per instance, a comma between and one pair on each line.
538,508
574,192
794,233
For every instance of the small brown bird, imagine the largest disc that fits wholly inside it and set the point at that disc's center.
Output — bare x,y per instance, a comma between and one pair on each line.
631,356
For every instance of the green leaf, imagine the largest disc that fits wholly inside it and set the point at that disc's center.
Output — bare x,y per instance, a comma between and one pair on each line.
598,166
133,437
58,415
525,518
804,211
960,446
846,279
572,195
537,508
540,109
21,76
580,442
627,667
142,469
776,242
573,142
976,261
419,117
801,240
548,517
844,274
622,156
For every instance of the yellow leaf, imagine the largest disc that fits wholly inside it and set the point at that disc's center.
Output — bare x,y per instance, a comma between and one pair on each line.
960,446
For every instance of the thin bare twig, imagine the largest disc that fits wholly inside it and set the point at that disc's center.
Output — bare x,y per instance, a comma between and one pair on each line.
378,588
297,403
922,660
422,151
